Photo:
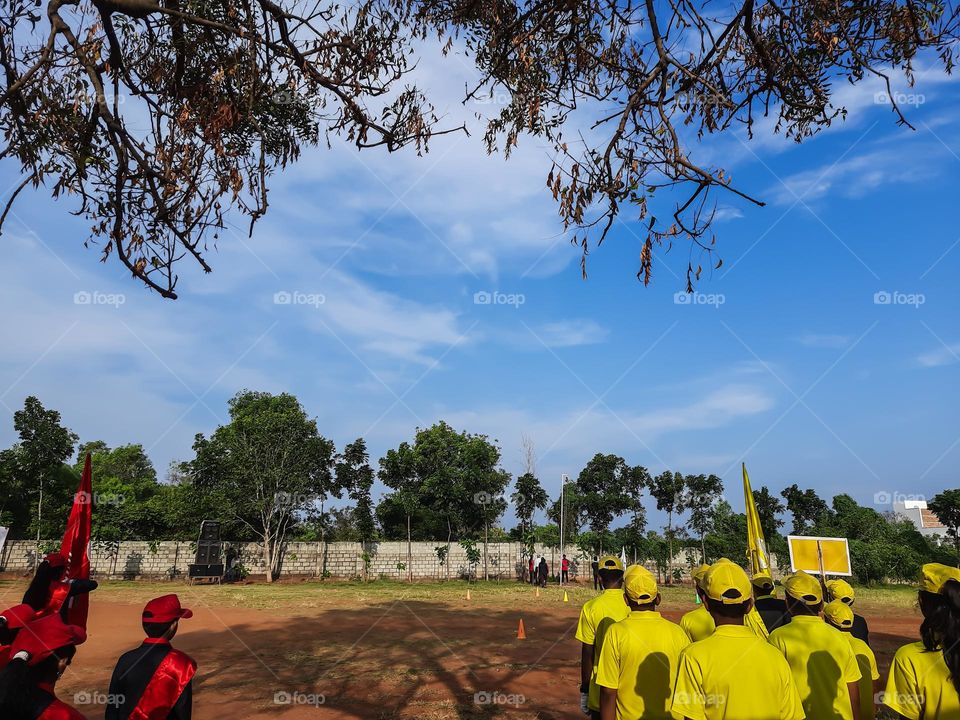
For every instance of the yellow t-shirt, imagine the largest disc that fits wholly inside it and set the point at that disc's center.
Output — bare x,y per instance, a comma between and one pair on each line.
698,624
639,660
822,662
919,685
867,662
596,616
734,675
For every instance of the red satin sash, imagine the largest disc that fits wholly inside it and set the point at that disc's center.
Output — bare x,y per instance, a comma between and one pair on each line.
59,592
4,656
165,687
58,710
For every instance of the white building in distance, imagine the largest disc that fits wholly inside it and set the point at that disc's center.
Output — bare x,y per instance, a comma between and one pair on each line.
923,519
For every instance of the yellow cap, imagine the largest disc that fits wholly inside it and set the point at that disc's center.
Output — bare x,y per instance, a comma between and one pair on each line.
726,582
762,580
698,573
933,576
841,590
838,614
804,587
639,584
610,562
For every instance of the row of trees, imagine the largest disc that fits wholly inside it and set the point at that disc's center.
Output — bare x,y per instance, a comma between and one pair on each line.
270,476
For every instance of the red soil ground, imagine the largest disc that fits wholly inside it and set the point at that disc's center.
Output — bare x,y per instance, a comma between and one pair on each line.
383,660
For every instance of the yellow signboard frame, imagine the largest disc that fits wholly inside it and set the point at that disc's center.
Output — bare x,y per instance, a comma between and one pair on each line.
819,555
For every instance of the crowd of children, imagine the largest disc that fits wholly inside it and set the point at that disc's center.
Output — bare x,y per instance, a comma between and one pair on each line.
744,654
38,643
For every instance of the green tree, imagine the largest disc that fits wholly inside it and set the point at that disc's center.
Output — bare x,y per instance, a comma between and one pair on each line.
528,497
266,468
806,507
667,489
769,508
44,445
946,506
124,483
574,513
454,476
700,495
355,475
605,486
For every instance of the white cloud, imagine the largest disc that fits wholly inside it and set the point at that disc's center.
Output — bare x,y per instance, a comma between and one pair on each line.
824,341
568,333
946,355
852,177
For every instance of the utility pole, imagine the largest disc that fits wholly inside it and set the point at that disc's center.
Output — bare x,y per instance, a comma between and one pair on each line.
563,487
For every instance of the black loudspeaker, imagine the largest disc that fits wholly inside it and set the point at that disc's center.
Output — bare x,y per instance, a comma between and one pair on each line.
209,532
208,554
205,570
207,563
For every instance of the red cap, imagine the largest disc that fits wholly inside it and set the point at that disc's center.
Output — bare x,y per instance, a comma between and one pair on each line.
55,559
40,638
17,616
165,609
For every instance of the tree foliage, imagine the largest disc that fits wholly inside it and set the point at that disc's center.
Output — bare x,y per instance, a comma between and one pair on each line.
164,121
265,468
946,506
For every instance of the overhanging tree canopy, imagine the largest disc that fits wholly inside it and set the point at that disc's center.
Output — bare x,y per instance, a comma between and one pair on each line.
162,118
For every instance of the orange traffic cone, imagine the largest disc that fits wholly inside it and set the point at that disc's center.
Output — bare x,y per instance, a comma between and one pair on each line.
521,634
538,591
468,593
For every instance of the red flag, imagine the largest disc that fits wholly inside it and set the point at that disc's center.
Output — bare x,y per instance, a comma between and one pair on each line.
76,541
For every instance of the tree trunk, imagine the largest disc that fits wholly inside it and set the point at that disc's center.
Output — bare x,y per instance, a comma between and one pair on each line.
670,547
449,535
703,551
36,559
409,554
486,574
268,555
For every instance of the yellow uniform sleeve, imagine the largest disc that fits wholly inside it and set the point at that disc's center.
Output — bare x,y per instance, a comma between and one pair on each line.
608,670
791,707
903,691
688,692
755,623
874,670
774,639
586,632
851,668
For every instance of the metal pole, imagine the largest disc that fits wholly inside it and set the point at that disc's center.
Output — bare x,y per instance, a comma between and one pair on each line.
563,487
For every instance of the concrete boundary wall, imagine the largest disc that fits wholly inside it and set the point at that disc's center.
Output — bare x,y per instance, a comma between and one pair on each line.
170,558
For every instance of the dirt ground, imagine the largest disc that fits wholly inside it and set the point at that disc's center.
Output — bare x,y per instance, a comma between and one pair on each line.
385,650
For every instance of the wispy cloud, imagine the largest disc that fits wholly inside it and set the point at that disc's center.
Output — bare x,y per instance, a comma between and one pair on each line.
946,355
567,333
824,341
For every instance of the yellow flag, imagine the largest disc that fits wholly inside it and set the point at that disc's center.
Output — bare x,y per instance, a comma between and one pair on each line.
756,545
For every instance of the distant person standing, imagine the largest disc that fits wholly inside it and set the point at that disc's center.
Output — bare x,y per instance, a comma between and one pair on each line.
542,571
842,590
564,570
772,609
595,567
531,575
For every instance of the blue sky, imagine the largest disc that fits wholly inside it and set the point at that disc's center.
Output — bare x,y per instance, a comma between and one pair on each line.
785,360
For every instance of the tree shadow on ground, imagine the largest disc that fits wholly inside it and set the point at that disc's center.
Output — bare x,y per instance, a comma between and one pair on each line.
388,660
